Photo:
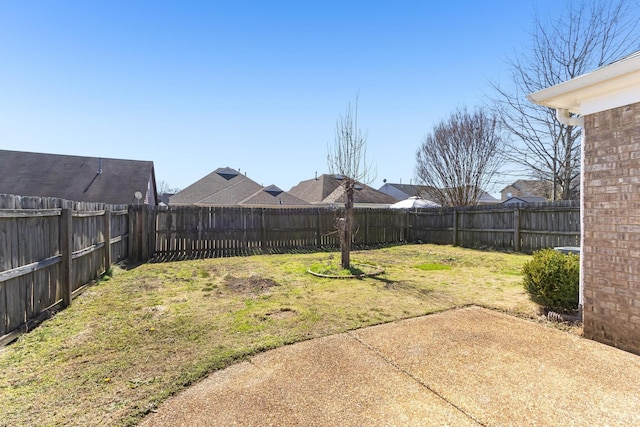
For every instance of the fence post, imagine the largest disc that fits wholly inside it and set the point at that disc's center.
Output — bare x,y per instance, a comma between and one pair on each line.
516,230
263,234
107,239
131,235
455,227
144,233
318,232
366,227
66,249
153,213
407,227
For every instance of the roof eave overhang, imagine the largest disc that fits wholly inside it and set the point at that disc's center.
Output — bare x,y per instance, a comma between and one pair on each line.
608,87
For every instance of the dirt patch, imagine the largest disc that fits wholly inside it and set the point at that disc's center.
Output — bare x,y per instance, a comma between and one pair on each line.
144,284
250,285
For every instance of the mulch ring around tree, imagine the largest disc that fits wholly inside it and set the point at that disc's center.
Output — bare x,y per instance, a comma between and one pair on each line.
360,271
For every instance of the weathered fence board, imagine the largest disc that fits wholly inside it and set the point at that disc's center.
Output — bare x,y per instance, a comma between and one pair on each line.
50,248
433,226
548,227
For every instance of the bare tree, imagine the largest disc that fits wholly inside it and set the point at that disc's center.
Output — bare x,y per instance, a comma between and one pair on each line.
460,157
163,187
348,158
587,35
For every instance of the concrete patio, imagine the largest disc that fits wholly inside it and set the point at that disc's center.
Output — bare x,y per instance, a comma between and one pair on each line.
469,366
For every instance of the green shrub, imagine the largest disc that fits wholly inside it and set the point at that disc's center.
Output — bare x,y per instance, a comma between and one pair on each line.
552,279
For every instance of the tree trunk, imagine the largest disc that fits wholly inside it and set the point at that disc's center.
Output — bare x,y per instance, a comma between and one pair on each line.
345,240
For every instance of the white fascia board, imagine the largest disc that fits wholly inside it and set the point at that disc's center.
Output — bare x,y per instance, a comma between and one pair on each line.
608,87
610,102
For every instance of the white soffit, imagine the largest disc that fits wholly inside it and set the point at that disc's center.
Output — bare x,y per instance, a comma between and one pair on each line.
611,86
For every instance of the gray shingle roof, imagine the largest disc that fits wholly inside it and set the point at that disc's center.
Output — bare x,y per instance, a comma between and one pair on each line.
410,190
530,185
273,196
326,189
77,178
222,187
315,190
228,187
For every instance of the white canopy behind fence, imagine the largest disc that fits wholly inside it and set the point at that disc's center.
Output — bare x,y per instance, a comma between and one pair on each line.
414,202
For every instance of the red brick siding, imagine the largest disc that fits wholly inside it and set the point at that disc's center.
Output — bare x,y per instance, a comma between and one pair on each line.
612,227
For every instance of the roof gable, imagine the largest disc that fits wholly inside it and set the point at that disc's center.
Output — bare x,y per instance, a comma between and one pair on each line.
315,190
227,173
228,187
272,196
527,185
272,190
223,186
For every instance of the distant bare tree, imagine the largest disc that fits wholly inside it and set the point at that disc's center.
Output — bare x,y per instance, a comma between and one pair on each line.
460,157
162,187
349,159
583,37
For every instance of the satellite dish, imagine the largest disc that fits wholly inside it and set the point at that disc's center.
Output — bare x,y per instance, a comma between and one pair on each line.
138,195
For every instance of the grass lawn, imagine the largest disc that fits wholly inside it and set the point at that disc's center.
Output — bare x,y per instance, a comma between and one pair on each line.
128,343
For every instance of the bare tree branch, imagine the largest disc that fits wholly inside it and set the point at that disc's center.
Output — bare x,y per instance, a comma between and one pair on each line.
587,35
163,187
459,158
348,158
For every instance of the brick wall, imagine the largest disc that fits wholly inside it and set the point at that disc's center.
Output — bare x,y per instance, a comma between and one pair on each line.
611,251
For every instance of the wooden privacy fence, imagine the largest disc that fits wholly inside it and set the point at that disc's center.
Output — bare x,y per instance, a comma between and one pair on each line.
49,249
201,232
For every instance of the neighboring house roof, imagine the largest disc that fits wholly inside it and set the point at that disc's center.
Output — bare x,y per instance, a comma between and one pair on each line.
228,187
528,188
483,197
315,190
487,199
272,196
327,189
222,187
77,178
524,200
404,191
163,199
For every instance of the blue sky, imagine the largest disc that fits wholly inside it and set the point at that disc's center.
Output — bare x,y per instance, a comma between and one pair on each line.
253,85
